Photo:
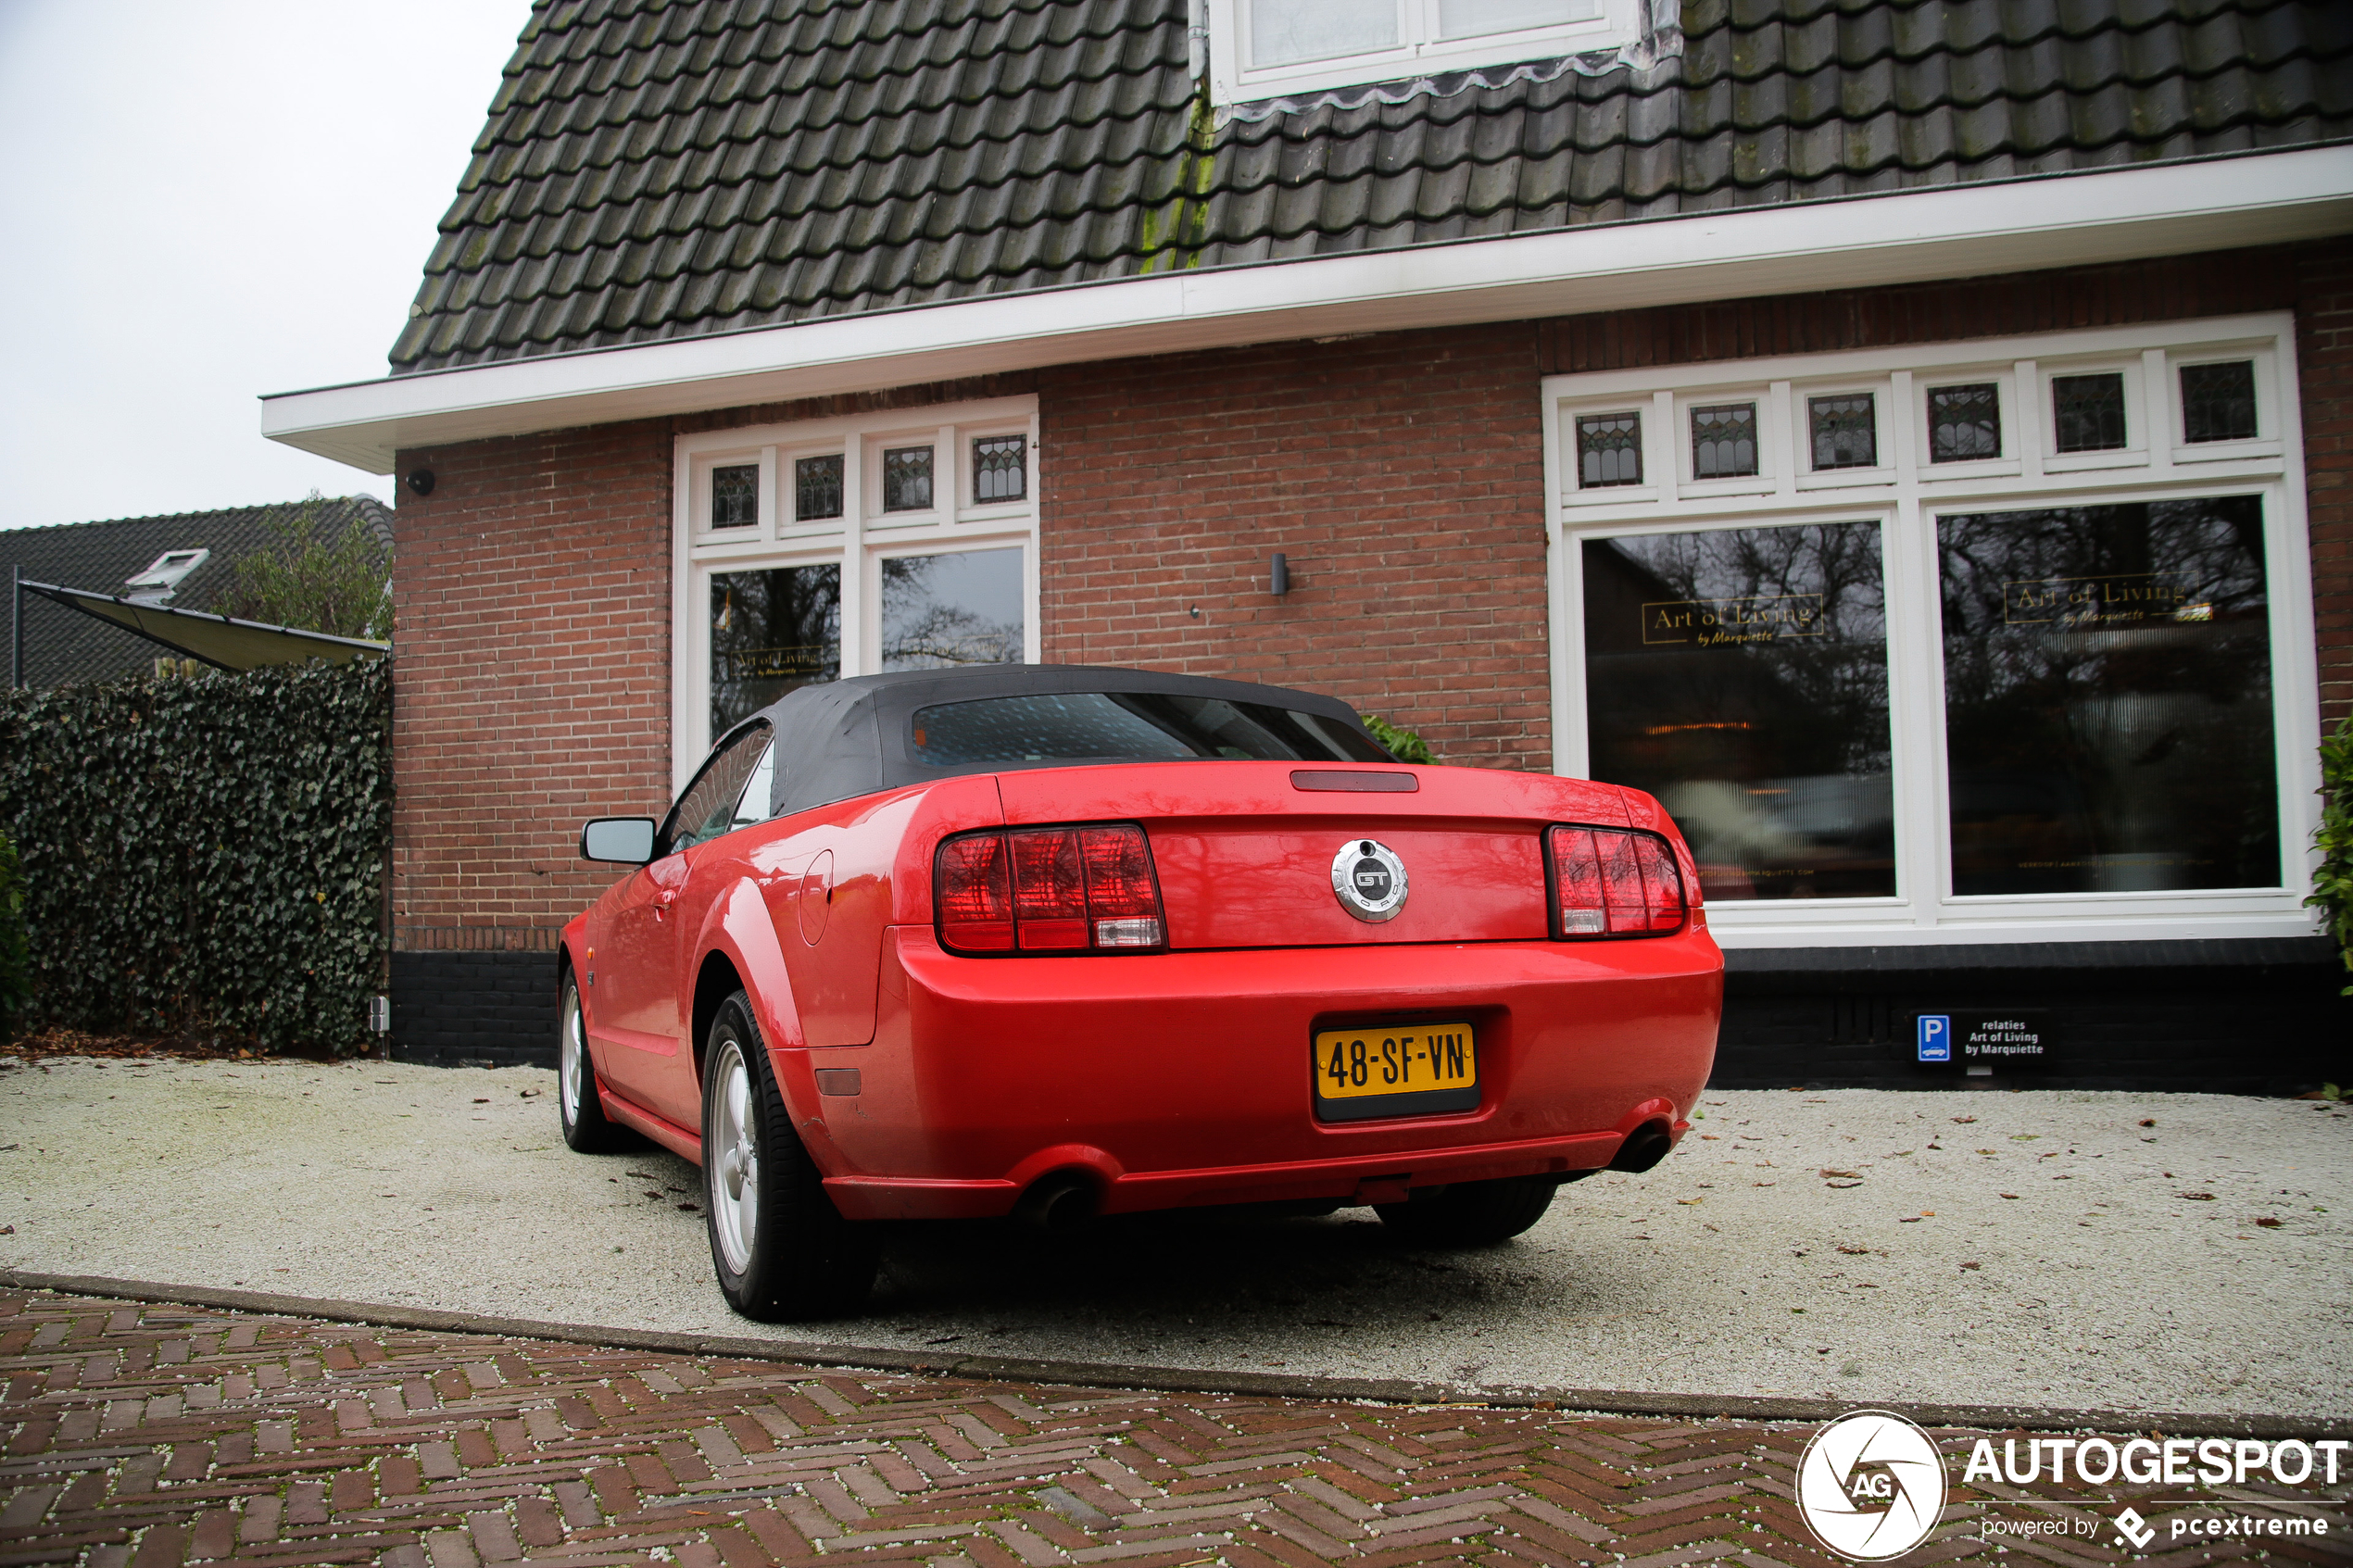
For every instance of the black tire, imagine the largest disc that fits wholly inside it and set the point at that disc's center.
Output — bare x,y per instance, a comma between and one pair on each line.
1469,1213
787,1255
586,1129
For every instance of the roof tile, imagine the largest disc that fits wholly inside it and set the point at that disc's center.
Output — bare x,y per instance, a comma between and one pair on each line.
658,169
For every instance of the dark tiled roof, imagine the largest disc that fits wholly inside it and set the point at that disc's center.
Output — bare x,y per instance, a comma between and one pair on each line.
657,170
62,645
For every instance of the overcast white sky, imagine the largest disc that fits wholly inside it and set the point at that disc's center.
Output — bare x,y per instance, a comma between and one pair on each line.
205,202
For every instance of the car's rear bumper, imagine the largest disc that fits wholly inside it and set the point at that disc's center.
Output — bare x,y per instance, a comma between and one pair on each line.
1184,1078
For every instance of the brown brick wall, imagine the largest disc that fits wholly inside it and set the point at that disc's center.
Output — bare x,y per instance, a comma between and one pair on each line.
531,688
1402,475
2325,360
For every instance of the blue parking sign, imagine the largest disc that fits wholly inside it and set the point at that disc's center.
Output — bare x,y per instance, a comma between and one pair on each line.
1935,1037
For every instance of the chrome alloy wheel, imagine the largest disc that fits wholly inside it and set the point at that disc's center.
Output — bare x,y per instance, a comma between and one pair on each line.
734,1158
572,1052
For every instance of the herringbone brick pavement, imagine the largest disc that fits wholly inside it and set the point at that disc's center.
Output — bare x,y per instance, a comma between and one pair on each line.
148,1435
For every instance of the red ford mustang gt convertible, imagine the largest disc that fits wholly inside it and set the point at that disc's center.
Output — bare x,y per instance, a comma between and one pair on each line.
1058,941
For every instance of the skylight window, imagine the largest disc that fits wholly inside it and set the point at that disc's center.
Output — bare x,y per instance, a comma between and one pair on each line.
159,581
1261,49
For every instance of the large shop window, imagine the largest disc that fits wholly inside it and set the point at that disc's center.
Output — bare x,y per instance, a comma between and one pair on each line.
2006,641
810,552
1740,675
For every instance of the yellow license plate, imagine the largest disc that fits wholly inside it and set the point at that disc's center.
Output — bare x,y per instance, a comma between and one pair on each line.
1394,1059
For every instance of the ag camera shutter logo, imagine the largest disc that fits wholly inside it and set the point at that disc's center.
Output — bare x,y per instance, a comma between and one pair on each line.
1870,1485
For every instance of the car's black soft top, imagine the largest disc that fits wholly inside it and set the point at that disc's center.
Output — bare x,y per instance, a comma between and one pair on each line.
852,737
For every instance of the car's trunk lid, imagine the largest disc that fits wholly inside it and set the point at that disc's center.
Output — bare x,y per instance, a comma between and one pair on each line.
1245,851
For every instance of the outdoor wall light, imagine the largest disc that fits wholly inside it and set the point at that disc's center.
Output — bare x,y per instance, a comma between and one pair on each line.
421,481
1278,579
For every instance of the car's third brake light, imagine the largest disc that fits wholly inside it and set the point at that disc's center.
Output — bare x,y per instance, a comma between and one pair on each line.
1611,882
1049,890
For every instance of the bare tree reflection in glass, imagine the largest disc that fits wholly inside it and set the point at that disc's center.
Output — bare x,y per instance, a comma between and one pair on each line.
1740,675
2107,679
770,633
944,610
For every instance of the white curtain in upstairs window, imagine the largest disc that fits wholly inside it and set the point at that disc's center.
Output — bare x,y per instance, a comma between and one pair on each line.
1287,31
1476,18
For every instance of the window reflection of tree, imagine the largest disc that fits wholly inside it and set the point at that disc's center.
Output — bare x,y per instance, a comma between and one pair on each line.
1773,757
923,631
771,631
2111,747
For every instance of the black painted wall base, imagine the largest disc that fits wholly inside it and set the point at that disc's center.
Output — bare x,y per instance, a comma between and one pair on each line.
2255,1017
2246,1017
475,1010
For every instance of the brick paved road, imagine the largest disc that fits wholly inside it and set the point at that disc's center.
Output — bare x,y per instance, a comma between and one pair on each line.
149,1435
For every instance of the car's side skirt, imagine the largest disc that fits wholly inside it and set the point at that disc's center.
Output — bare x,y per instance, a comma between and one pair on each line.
668,1133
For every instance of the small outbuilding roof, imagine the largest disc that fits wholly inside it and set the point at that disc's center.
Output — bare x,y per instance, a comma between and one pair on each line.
63,645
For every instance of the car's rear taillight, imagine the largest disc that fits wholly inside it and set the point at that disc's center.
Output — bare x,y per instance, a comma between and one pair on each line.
1610,881
1049,890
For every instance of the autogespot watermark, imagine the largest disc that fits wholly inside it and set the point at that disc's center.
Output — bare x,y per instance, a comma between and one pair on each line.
1872,1486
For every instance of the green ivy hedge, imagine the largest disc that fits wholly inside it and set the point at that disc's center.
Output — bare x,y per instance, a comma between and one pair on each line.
204,853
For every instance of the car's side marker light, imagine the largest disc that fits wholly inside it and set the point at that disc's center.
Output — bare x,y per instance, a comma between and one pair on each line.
1049,890
1611,881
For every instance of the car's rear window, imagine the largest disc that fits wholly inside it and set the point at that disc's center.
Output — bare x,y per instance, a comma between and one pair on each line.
1130,727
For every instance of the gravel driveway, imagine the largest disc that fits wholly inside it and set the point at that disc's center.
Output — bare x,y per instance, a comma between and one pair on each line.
2165,1252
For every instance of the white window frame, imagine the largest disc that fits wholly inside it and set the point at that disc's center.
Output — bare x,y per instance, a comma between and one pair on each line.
857,540
1903,496
1420,52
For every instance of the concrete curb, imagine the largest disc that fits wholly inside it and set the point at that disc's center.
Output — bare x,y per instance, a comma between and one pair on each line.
1175,1380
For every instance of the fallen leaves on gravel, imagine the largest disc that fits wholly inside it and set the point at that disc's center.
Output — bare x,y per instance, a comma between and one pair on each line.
1964,1120
2267,1221
2197,1197
2009,1194
1855,1174
1852,1251
1972,1265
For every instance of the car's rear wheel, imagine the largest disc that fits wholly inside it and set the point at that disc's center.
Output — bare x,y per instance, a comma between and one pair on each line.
1469,1213
783,1251
586,1129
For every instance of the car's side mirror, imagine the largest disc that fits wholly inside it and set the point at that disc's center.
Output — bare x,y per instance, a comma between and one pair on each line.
629,840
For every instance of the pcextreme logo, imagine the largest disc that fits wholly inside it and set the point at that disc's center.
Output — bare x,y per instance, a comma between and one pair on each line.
1870,1485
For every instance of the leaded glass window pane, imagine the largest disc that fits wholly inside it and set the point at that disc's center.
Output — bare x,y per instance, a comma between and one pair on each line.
1724,440
1964,423
2108,678
907,479
961,608
2218,401
1845,429
1609,449
816,488
771,631
735,496
1000,469
1740,675
2087,412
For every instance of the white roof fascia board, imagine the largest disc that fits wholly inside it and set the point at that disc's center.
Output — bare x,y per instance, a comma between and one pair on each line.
2058,220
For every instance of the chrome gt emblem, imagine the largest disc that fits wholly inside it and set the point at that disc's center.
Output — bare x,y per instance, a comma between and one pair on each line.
1369,879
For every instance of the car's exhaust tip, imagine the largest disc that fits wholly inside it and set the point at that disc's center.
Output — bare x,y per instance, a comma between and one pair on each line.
1059,1202
1644,1148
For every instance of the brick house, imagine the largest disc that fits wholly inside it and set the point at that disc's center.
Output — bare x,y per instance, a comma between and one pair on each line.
1912,439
